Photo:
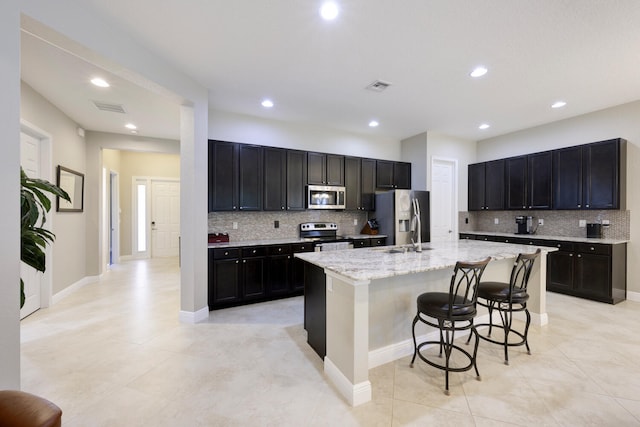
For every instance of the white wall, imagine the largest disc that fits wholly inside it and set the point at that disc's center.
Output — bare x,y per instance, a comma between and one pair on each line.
448,147
621,121
255,130
68,149
10,185
414,150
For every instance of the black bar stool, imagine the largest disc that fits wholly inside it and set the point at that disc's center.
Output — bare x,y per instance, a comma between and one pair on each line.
451,312
506,299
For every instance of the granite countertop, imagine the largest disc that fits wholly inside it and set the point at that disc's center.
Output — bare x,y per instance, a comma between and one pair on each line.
378,262
285,241
544,237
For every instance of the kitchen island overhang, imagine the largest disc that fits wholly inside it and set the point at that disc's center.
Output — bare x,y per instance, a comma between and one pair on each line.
371,296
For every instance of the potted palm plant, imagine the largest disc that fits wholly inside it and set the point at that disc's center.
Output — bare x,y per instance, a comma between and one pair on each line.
34,205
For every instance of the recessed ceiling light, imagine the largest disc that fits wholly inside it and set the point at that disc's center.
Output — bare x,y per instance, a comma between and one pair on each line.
484,126
329,10
267,103
478,72
131,126
558,104
373,124
100,82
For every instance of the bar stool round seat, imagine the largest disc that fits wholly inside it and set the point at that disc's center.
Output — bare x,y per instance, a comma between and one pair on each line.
507,299
20,409
450,313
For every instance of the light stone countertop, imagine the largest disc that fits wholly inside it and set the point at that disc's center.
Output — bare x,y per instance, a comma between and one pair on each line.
543,237
377,263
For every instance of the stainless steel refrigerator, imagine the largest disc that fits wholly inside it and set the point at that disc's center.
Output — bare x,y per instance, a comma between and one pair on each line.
398,219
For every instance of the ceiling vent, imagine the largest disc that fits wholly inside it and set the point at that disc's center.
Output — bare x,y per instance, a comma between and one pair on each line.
105,106
378,86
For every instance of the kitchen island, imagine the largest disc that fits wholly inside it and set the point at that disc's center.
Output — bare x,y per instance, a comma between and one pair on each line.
371,300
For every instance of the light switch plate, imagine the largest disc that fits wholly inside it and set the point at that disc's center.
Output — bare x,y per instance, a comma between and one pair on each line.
235,225
540,221
496,221
582,223
355,221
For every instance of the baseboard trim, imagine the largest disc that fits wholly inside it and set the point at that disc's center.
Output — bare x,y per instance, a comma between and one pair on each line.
633,296
58,296
383,355
193,317
356,394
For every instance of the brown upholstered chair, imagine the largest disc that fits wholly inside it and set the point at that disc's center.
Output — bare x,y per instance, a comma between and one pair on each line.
20,409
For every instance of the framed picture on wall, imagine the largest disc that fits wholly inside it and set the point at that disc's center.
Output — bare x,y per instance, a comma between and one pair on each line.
73,183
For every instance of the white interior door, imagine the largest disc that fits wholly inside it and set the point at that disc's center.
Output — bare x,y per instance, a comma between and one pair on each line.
444,196
30,161
165,218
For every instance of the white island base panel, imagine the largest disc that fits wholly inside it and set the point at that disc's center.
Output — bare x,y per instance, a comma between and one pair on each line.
369,321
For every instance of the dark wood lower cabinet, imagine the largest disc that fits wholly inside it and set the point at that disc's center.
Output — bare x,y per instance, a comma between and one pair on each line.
315,302
279,272
224,277
253,273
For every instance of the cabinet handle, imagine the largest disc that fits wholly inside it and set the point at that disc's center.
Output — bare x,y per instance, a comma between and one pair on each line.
579,256
570,254
524,207
234,208
587,205
236,261
288,256
244,261
282,207
226,253
579,206
279,249
506,241
592,248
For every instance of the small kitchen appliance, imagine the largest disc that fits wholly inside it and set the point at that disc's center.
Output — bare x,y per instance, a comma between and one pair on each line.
325,197
525,224
594,231
324,235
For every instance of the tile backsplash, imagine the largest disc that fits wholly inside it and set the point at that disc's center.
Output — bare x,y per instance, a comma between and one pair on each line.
556,223
260,225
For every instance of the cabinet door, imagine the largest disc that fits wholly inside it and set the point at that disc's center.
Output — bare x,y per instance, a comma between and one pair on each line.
539,180
223,173
226,282
250,162
297,266
494,185
601,163
384,174
275,176
476,185
593,276
296,178
368,182
560,271
567,178
352,177
253,278
279,273
335,170
402,175
316,168
516,180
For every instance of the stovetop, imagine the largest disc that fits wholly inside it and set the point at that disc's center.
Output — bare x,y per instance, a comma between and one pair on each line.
319,231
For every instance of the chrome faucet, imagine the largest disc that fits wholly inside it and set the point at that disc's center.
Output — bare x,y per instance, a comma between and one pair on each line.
416,226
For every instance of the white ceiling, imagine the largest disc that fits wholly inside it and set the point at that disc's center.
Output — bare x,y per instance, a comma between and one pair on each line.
585,52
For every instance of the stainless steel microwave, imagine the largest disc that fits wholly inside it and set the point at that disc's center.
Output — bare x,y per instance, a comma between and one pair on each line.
325,197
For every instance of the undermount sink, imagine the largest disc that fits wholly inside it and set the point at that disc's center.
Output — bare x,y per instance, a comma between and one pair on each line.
400,249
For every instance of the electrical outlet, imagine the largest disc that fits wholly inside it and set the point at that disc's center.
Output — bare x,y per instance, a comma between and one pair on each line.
496,221
605,222
582,223
276,224
540,221
234,225
355,221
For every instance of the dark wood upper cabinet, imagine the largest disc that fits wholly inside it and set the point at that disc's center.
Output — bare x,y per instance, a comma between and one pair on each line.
368,184
539,180
223,176
567,178
353,183
601,178
275,179
335,169
391,175
250,163
516,175
296,178
486,185
588,176
325,169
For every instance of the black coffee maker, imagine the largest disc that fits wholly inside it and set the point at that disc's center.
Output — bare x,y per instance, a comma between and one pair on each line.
525,224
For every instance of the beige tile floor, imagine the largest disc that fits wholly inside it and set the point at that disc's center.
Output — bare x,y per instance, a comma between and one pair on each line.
114,354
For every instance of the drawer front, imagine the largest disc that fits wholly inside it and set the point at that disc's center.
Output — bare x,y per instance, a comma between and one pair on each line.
561,245
593,248
280,249
378,242
228,253
464,236
301,247
254,251
360,243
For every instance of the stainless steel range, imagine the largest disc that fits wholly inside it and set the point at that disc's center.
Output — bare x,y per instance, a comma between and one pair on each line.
324,235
